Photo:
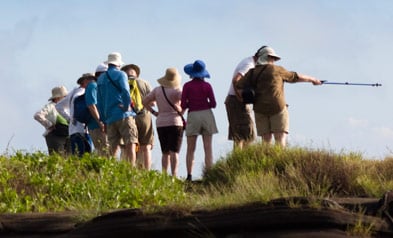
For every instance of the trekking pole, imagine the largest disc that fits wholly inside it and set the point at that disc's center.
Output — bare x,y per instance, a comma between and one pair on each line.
356,84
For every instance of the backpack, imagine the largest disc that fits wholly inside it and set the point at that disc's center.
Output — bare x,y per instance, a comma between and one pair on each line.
81,111
248,93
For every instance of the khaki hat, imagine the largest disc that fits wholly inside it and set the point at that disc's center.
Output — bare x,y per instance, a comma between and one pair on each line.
58,92
266,50
132,66
85,76
263,54
171,79
114,58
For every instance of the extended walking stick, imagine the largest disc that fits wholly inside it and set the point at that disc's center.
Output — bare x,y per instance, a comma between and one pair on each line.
356,84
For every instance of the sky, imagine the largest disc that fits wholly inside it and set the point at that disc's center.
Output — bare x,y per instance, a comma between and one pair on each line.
46,43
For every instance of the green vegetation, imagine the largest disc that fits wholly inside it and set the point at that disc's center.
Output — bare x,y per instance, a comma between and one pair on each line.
39,183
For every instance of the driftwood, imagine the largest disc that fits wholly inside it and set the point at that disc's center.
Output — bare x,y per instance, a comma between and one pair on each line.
286,217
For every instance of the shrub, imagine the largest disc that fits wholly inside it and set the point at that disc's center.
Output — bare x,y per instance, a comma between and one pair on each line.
38,182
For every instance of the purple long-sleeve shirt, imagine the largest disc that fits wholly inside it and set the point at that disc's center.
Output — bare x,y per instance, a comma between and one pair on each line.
197,95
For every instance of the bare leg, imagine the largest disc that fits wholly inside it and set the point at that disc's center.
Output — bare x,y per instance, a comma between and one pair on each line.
280,138
247,143
241,144
113,151
130,154
139,158
191,144
238,144
174,163
267,138
165,162
145,156
207,146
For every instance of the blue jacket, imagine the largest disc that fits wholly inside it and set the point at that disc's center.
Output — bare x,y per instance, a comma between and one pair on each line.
114,101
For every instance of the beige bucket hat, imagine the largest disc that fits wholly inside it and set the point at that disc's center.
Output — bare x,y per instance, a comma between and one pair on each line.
58,92
115,58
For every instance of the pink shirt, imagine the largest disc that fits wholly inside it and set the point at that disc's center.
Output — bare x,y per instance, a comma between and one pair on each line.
167,116
197,95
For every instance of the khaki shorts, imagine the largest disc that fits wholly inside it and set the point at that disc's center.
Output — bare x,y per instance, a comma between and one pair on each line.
125,130
270,124
241,124
201,123
145,128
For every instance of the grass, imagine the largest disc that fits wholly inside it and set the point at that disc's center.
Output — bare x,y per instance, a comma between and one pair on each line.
36,182
40,183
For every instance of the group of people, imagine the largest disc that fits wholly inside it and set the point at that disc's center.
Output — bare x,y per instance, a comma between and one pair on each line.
121,105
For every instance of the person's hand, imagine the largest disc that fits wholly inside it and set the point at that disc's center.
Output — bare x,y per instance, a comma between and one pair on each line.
316,81
102,126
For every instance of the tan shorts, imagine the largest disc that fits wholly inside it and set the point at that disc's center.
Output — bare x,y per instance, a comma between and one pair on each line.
270,124
145,128
241,124
125,130
201,123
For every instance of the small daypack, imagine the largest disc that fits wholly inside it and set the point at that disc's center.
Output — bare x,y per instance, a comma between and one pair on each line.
81,111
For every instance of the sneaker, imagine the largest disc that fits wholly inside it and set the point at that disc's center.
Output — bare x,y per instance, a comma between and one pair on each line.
189,178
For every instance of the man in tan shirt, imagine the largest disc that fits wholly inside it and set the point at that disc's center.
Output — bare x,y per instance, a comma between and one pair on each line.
270,108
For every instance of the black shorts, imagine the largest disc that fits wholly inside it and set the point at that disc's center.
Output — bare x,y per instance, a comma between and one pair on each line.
170,138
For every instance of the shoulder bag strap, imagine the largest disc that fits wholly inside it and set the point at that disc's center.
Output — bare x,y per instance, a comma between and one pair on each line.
173,106
260,74
118,88
113,83
256,79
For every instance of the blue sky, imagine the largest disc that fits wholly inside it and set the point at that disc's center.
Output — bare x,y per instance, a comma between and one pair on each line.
45,43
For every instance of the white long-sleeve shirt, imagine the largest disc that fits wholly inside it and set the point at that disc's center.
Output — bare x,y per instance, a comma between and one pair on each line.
66,108
47,116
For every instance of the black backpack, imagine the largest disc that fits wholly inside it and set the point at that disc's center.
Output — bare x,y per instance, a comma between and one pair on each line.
248,93
81,111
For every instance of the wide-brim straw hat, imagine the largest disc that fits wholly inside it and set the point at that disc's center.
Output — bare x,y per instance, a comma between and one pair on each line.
172,78
197,70
58,92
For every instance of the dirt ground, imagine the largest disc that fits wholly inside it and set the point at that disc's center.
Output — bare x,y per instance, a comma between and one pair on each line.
286,217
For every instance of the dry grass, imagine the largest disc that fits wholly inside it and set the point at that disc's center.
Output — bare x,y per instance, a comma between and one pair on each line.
261,173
